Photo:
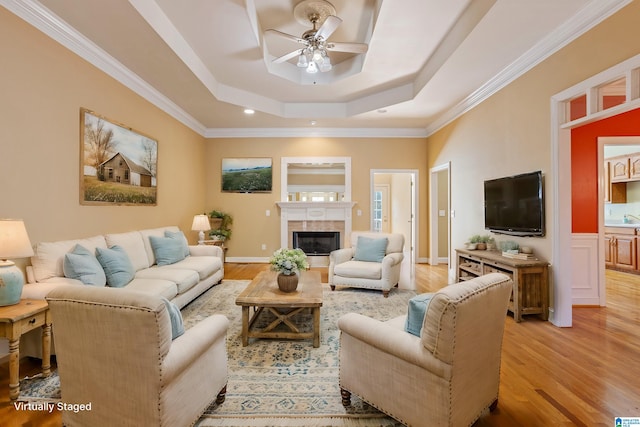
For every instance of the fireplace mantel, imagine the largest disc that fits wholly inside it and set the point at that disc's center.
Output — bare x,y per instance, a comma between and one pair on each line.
306,212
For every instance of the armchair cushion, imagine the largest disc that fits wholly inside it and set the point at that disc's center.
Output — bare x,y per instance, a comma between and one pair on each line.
177,326
370,249
167,250
418,306
117,266
82,265
360,269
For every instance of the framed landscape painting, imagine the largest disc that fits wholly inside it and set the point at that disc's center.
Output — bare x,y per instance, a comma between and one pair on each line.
247,175
118,165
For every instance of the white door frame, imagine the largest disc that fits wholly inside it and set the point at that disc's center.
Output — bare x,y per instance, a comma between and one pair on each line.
433,214
562,312
414,209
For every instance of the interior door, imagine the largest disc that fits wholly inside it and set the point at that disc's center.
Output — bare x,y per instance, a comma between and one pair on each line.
381,208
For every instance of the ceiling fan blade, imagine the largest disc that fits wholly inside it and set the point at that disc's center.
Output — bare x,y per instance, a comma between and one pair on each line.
347,47
285,58
328,27
286,36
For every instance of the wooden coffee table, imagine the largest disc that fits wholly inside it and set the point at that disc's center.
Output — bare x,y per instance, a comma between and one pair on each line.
263,294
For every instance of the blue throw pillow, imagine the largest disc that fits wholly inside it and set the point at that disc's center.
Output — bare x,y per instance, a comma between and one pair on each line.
82,265
177,327
116,265
370,249
179,236
167,250
415,316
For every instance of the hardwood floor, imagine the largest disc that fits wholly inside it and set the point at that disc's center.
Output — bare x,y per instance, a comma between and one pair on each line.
580,376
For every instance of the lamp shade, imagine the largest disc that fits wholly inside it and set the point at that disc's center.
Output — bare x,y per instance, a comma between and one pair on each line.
14,241
200,223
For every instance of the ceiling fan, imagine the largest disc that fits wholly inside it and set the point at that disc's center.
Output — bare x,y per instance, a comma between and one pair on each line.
314,56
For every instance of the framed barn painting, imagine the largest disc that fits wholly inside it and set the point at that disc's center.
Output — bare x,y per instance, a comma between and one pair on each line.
118,165
247,175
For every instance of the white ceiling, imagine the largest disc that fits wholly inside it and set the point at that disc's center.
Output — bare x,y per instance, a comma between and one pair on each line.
204,61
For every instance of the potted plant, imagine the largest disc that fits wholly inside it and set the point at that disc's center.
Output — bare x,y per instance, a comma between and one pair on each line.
220,225
287,262
483,242
472,244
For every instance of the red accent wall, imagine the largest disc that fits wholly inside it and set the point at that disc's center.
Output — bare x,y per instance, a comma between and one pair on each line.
584,165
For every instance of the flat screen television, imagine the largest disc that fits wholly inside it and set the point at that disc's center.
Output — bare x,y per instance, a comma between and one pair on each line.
515,205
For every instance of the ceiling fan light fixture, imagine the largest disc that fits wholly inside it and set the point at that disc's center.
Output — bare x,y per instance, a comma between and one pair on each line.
312,68
302,60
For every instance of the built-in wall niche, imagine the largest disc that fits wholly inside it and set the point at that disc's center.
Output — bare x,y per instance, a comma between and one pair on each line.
316,179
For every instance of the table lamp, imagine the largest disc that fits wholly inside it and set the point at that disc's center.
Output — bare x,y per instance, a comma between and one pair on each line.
200,224
14,243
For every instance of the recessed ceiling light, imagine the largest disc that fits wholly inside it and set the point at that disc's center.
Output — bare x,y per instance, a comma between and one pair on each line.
313,122
249,111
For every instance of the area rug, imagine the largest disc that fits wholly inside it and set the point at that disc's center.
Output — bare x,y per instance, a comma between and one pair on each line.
291,383
39,388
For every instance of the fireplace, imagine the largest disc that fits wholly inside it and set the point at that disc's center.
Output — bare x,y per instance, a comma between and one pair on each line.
316,243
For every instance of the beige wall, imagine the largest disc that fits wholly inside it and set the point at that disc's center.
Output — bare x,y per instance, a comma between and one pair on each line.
510,132
252,228
42,88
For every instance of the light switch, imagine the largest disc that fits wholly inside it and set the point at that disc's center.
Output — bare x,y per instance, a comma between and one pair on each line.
441,212
359,212
268,212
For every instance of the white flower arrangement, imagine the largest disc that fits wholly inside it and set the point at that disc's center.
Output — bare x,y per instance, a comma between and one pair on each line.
288,261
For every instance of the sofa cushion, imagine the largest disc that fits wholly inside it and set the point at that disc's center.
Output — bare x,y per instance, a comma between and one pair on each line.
418,306
370,249
177,326
48,257
116,265
166,250
359,269
205,266
82,265
179,235
159,287
184,279
158,232
133,245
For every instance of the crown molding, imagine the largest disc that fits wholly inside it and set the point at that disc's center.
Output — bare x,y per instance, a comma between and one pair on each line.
590,16
50,24
315,132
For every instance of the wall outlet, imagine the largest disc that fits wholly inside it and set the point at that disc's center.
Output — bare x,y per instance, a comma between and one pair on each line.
268,212
264,246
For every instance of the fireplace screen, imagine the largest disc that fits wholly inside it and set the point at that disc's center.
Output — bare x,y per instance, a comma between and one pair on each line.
316,242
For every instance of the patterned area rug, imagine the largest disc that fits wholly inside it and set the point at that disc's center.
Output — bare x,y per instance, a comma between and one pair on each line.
291,383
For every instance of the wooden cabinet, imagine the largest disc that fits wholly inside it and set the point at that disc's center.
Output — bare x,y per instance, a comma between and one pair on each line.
614,192
619,169
621,248
634,167
530,279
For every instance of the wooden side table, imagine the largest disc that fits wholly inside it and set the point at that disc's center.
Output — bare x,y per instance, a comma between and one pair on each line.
217,243
16,320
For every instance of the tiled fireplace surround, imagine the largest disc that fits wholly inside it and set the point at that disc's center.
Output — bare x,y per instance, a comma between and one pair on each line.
302,216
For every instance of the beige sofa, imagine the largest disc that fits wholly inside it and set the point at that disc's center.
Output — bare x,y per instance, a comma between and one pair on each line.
116,353
180,282
449,374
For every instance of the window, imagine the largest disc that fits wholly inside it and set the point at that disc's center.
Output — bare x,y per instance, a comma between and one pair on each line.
377,210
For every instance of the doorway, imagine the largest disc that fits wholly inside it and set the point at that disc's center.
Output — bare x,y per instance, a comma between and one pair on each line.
394,201
612,213
440,214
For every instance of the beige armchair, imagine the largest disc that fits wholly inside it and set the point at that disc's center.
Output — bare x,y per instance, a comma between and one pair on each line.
448,375
359,267
115,351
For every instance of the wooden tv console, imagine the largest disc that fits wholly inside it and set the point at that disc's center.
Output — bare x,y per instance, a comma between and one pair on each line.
530,279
